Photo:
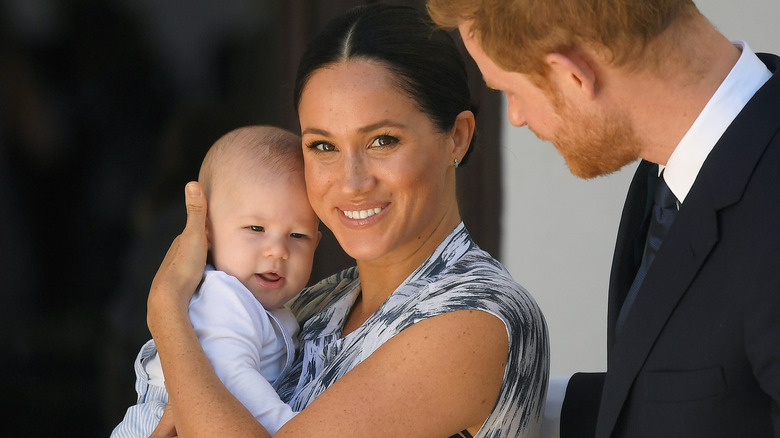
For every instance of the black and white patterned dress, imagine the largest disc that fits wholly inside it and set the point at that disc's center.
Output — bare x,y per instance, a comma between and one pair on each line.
457,276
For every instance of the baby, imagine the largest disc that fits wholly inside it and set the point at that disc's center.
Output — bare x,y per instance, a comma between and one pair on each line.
262,235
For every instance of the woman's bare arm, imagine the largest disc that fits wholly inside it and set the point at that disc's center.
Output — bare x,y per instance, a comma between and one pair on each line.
434,379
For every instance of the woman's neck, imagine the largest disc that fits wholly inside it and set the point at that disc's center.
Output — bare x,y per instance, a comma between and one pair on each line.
380,278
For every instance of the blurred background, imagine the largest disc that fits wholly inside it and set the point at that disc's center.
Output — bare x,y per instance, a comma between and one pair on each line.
106,110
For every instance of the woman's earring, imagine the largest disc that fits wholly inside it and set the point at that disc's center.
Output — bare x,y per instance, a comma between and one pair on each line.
456,163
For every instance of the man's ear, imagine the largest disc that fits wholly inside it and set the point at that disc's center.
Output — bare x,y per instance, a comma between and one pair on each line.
572,72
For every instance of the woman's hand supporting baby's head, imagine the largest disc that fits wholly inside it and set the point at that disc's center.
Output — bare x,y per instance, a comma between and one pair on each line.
183,266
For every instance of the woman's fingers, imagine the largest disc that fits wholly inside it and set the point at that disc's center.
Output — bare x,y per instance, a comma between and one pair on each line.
182,268
193,243
189,260
196,208
166,428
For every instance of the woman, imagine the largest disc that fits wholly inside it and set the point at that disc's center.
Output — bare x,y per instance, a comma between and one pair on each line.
428,335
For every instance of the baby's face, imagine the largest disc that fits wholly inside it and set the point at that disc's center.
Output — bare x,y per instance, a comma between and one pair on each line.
264,234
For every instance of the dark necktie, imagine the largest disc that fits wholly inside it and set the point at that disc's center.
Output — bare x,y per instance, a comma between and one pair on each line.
663,214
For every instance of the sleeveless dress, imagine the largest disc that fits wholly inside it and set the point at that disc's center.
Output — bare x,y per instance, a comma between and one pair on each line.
457,276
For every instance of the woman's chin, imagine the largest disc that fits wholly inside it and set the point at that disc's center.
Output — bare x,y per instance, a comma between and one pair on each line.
362,249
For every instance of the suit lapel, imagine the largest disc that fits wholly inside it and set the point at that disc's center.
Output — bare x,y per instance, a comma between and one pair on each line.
693,234
720,183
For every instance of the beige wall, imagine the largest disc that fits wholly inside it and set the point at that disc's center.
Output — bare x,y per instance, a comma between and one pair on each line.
559,231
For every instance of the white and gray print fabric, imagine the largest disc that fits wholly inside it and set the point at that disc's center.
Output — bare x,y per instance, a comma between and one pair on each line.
457,276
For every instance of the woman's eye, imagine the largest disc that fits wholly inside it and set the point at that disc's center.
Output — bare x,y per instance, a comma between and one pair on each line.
322,146
383,141
256,228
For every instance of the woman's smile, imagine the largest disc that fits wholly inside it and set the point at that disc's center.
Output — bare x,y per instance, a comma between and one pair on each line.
368,164
361,214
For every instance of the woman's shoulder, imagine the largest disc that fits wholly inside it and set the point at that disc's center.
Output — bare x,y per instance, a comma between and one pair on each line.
476,277
477,281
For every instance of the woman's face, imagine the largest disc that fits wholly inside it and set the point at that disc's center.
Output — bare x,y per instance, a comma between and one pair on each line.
378,173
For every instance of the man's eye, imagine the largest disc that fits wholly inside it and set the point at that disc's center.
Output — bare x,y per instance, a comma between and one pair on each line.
256,228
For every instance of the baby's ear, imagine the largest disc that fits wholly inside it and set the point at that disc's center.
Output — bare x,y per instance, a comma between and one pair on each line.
319,237
208,232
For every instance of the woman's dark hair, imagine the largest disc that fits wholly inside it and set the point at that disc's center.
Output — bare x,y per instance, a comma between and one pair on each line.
429,67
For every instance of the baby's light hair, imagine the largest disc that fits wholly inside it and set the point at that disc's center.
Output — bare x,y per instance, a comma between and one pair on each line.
259,150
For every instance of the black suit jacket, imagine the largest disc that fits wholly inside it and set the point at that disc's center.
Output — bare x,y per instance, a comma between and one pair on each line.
699,355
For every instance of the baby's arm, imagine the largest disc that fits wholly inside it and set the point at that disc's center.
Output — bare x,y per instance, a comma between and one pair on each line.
242,346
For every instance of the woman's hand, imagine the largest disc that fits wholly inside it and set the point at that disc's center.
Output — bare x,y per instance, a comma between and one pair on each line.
166,428
204,407
183,266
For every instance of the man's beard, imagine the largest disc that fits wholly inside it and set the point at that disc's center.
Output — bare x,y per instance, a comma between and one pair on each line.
593,144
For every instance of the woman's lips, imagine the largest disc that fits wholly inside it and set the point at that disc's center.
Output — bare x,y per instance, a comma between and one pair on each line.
361,214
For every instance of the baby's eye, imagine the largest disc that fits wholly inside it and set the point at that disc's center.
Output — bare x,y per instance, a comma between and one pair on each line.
297,235
256,228
383,141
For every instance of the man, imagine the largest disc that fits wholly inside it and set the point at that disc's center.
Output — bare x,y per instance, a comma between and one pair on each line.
694,296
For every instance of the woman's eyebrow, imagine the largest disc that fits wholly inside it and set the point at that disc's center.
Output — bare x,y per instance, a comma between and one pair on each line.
315,131
381,124
364,129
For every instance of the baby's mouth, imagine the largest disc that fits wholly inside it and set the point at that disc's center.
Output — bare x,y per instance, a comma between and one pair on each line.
270,276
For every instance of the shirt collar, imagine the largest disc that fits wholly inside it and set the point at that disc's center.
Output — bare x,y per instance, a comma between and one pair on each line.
745,78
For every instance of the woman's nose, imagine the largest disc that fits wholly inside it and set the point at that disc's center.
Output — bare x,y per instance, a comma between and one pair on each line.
357,176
